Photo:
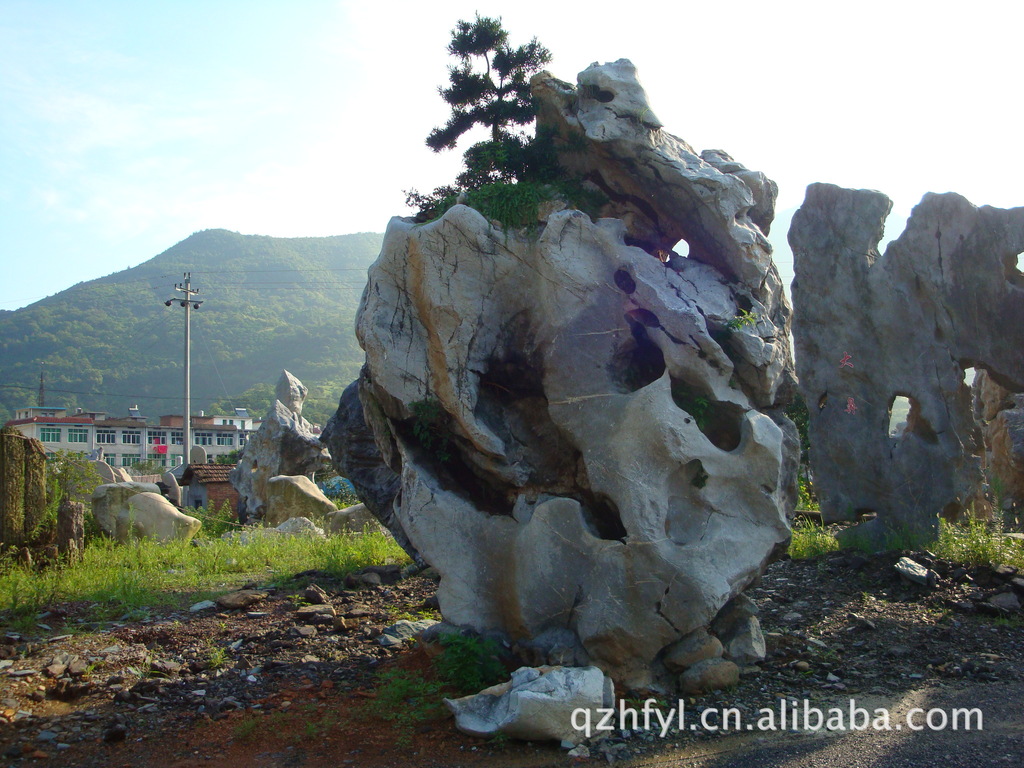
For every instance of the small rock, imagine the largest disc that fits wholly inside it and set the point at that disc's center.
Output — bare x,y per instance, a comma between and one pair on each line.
47,736
709,675
1006,601
341,624
115,733
580,751
315,595
241,599
403,630
314,610
915,572
306,630
801,666
165,667
202,606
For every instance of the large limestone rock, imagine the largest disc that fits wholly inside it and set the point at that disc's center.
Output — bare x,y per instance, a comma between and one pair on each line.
110,499
872,327
285,444
1001,416
288,497
151,516
588,439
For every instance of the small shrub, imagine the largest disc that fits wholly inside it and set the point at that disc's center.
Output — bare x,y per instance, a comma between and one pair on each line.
430,428
743,319
470,663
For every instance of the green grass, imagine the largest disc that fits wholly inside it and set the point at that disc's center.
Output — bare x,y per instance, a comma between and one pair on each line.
975,542
978,543
811,540
123,579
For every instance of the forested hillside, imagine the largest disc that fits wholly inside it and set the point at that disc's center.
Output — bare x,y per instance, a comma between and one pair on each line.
268,303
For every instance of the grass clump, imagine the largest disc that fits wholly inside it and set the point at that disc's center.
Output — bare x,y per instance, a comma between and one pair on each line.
470,663
977,542
811,540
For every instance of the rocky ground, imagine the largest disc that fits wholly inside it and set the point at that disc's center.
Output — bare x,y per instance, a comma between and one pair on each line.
288,676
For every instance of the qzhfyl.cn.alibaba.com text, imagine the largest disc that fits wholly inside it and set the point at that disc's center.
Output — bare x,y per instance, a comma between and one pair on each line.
789,715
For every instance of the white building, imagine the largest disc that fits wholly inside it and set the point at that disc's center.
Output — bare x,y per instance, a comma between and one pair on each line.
128,441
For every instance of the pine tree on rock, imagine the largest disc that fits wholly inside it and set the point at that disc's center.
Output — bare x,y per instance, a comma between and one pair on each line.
489,87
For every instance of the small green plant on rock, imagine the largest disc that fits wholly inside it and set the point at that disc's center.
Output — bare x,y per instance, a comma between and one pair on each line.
744,319
430,428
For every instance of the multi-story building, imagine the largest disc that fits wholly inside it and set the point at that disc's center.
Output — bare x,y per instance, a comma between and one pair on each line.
127,441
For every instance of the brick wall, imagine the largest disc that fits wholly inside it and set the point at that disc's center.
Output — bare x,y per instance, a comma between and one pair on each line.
218,493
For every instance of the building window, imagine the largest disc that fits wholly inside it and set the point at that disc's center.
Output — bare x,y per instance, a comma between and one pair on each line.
129,460
176,438
158,438
78,435
106,436
49,434
204,438
225,439
159,458
131,437
241,440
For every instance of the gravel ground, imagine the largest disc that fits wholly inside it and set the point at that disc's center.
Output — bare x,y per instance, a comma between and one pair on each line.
188,683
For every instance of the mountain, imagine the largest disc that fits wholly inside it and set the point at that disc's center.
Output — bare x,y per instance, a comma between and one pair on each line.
268,303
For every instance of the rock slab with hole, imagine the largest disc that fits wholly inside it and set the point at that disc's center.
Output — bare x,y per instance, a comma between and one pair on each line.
869,328
588,438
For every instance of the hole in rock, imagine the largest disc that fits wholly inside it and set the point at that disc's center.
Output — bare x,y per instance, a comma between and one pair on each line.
823,401
597,93
601,516
1014,267
720,422
624,281
604,96
969,374
899,409
682,248
638,362
905,412
644,317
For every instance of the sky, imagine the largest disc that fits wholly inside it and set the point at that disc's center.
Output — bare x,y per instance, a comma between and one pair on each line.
126,126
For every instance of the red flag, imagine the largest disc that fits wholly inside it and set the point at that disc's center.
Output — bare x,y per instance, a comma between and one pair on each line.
161,448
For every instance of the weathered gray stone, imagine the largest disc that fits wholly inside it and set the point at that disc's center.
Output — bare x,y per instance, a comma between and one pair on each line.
536,704
109,474
354,519
355,456
109,500
912,570
945,295
287,497
567,412
298,526
171,488
1001,416
403,630
151,516
285,444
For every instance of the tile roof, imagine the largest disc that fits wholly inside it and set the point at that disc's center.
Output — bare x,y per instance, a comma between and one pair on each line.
207,473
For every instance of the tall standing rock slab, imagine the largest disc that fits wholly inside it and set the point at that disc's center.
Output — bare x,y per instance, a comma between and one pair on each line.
588,439
285,444
870,327
1001,416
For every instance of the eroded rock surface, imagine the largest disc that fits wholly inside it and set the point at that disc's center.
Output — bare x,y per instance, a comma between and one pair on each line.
945,296
589,439
1001,416
285,444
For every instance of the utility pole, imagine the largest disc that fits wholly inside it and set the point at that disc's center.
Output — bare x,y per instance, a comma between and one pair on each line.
41,399
189,304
